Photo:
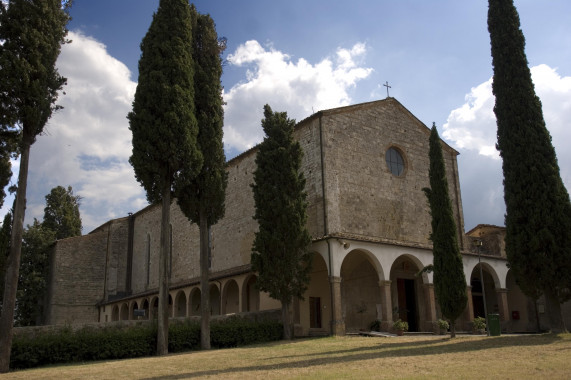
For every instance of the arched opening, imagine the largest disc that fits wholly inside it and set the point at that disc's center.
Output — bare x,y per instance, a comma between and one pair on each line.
134,306
315,311
521,308
180,304
115,313
195,302
146,308
250,295
231,301
155,308
214,300
170,307
360,291
407,292
478,288
124,312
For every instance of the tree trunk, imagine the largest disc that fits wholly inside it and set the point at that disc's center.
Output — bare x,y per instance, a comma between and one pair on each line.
554,312
204,288
452,328
163,317
286,321
536,309
13,262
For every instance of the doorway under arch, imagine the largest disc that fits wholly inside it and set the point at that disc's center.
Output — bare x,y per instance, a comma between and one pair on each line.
408,293
489,287
214,300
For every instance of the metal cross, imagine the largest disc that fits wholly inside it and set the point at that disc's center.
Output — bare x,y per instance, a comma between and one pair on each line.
387,86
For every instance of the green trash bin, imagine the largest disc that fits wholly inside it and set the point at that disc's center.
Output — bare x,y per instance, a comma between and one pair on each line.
494,324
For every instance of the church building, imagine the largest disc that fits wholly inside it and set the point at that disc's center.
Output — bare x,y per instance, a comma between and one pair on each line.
365,167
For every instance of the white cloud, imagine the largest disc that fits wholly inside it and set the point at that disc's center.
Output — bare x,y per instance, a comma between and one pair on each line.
87,144
300,88
471,129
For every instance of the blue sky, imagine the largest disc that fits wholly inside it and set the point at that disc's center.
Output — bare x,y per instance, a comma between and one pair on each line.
300,57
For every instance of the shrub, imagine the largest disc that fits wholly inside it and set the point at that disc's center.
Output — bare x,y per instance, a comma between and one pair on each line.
121,342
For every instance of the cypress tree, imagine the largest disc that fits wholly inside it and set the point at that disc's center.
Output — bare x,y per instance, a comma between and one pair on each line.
164,126
202,199
449,279
280,250
61,214
32,31
538,211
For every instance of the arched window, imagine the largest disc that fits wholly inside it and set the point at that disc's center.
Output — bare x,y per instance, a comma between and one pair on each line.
395,161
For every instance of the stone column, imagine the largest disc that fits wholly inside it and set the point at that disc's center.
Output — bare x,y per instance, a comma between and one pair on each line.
468,315
430,308
386,306
337,321
502,296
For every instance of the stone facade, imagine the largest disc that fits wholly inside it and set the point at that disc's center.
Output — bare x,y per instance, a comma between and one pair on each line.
370,232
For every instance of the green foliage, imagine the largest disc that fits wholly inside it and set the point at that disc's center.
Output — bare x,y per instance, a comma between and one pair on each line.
86,344
206,192
32,280
61,213
280,250
32,31
163,119
8,150
479,323
235,332
400,325
538,210
375,325
121,342
449,279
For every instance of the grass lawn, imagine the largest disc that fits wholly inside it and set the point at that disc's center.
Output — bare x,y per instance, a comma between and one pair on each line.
409,357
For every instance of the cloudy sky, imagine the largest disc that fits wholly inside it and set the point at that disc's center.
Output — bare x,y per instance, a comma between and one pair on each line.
302,57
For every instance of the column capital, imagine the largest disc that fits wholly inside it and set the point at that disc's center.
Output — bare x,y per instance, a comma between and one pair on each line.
334,279
385,283
502,290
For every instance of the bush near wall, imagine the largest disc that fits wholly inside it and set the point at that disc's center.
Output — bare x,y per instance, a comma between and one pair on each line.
120,342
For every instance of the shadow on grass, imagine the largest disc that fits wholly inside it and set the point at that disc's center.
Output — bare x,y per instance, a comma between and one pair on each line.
385,350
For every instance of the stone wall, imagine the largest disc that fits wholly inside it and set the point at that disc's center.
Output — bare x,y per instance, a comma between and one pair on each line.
77,279
364,198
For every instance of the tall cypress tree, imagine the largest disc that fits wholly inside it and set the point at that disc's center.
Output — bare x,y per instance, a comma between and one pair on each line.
538,211
280,250
164,125
202,199
449,279
32,31
61,213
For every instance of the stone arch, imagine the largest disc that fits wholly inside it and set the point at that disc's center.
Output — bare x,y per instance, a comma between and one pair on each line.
214,299
194,302
490,285
115,313
180,304
124,314
250,294
408,293
360,291
146,308
134,306
231,298
315,311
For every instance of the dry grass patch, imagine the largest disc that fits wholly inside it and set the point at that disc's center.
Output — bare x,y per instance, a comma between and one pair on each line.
505,357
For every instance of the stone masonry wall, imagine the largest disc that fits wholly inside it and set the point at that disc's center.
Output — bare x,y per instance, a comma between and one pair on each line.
363,197
77,275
